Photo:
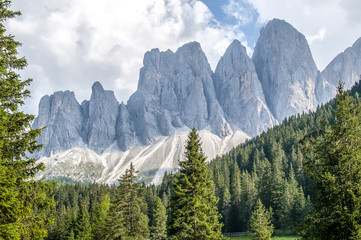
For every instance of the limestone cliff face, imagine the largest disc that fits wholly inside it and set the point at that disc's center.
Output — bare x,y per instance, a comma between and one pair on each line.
100,118
177,91
240,93
286,69
62,116
345,67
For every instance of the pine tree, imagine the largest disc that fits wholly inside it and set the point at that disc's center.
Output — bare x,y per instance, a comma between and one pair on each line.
101,212
158,229
260,223
236,199
194,213
59,230
114,223
248,198
71,235
128,213
277,187
150,197
264,182
82,228
24,202
334,160
226,210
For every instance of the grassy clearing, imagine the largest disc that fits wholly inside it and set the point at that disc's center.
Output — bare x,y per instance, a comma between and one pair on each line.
279,238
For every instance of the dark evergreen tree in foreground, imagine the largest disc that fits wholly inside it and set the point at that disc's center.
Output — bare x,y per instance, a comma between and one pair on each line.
127,218
193,207
24,202
334,160
260,223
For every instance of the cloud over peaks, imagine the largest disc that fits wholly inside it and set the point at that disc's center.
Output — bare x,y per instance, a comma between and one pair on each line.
70,44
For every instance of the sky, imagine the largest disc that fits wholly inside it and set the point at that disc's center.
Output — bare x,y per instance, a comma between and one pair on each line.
71,44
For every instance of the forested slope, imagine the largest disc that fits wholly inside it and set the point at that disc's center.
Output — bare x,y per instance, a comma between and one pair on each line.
268,167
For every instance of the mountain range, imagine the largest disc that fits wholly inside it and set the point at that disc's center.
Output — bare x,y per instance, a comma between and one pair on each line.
97,139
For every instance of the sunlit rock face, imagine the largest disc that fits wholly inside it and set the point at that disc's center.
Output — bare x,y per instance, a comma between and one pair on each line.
286,70
345,67
62,117
239,92
99,138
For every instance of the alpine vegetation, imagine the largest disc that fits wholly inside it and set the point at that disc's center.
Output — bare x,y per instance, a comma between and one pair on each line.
24,202
193,206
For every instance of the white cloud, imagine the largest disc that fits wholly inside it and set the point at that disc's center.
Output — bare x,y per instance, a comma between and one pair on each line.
317,37
236,10
329,25
79,42
70,44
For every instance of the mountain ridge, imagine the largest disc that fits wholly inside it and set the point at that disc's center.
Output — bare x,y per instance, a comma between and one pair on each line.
178,90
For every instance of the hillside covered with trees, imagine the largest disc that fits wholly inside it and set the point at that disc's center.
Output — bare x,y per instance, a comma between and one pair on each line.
301,177
269,167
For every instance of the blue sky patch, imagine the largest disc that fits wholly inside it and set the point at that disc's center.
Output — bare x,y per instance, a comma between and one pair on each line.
237,13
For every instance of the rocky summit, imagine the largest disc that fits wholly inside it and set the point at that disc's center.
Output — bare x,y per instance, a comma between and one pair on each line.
97,139
286,69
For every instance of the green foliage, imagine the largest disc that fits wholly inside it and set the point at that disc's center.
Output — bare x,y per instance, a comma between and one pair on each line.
24,202
101,212
260,223
235,198
274,163
82,228
334,160
247,173
72,202
193,207
158,229
127,218
226,210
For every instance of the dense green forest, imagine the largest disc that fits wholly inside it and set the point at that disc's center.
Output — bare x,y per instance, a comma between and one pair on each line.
268,167
303,176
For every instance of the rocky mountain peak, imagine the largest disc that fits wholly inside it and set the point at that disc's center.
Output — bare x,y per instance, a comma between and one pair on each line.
286,69
177,91
357,44
193,56
62,116
101,114
239,91
190,49
97,87
345,67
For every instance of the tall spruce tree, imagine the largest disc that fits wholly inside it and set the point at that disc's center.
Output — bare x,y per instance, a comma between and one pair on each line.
127,218
24,202
101,212
236,199
82,227
260,223
158,229
334,161
226,210
193,211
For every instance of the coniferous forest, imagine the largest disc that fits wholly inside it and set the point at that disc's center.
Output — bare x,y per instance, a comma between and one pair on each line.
269,168
301,177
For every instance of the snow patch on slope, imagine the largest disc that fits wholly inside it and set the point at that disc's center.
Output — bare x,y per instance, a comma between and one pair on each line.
152,161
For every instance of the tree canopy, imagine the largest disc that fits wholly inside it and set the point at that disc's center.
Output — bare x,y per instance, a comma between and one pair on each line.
193,208
24,202
260,223
334,161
